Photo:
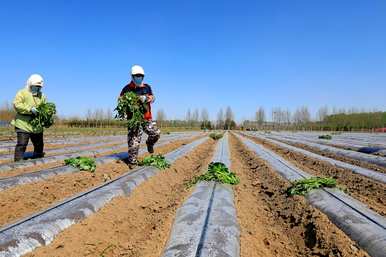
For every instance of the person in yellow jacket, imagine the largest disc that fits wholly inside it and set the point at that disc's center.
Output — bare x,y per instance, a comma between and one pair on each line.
25,103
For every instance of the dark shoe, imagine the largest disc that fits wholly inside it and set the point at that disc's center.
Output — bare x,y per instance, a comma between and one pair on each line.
38,155
17,159
150,148
132,163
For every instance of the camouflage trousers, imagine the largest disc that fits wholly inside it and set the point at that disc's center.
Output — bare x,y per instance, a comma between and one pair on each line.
134,139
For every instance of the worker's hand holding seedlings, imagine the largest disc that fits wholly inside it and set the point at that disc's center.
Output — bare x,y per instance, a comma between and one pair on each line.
140,117
33,114
143,98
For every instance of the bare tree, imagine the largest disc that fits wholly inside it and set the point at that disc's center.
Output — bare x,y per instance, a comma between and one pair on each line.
322,113
188,118
89,114
229,114
229,119
196,115
342,110
220,119
277,117
109,114
161,117
204,114
205,123
306,116
287,117
188,115
280,117
302,115
260,116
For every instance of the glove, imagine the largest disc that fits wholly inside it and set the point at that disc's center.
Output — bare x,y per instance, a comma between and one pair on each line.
34,111
143,98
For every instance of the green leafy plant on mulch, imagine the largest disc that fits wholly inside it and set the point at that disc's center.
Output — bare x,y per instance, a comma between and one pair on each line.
82,163
45,116
328,137
218,172
303,186
215,136
157,161
130,104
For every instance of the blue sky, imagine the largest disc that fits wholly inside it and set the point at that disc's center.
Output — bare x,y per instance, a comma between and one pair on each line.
245,54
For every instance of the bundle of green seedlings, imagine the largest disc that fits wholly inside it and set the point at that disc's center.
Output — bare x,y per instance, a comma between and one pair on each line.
218,172
82,163
130,104
157,161
303,186
45,116
328,137
215,136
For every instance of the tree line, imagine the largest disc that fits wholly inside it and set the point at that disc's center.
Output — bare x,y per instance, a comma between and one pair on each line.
325,119
277,119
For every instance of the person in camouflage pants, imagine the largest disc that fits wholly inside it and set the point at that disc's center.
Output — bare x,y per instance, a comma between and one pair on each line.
134,140
134,135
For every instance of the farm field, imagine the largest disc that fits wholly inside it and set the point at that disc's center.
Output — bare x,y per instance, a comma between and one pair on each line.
193,129
49,209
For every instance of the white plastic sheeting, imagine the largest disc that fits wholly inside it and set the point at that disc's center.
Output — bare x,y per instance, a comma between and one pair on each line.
206,224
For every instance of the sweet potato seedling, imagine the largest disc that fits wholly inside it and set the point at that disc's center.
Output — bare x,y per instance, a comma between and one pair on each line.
45,116
157,161
327,137
218,172
82,163
130,107
215,136
303,186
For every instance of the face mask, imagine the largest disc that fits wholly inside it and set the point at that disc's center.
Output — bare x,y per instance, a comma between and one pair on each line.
137,80
35,90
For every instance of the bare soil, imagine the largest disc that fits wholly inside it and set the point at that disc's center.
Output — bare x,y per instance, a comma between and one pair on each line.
135,226
364,189
19,201
273,224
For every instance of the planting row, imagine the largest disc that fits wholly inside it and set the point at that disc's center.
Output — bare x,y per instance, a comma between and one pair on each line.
369,146
180,213
376,160
381,177
364,226
24,178
355,180
52,159
40,228
206,224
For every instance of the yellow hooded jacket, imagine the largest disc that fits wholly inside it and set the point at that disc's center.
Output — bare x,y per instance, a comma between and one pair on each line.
23,103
